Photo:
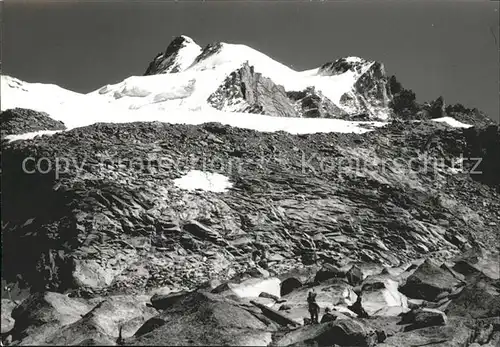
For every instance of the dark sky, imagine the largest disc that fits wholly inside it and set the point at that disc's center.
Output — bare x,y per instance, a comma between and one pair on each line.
436,48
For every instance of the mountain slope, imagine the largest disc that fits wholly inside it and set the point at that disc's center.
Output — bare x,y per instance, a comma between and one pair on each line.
113,217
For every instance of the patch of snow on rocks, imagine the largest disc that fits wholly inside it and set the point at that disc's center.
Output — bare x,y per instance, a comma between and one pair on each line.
452,122
253,288
207,181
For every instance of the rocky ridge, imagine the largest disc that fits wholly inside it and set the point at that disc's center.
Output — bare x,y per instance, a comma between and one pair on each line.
370,94
114,252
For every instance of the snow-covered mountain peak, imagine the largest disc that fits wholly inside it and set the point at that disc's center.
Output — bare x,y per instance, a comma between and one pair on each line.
228,78
178,56
229,57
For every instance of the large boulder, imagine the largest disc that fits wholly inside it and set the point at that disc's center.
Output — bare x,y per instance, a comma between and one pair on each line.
203,319
125,312
429,281
163,301
304,274
455,333
341,332
359,272
7,320
478,299
328,271
424,317
479,262
43,314
382,297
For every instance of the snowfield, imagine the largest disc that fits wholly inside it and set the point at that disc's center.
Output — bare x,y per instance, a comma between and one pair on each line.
158,104
30,135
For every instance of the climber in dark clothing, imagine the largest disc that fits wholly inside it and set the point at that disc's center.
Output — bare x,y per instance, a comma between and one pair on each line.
313,307
120,341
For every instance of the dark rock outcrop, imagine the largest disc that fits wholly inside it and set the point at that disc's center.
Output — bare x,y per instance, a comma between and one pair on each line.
311,103
289,285
343,332
483,144
44,314
162,302
370,95
437,108
428,282
7,320
341,66
245,90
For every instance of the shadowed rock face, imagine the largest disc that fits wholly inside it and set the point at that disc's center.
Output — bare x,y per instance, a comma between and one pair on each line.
342,65
342,332
484,144
43,314
312,104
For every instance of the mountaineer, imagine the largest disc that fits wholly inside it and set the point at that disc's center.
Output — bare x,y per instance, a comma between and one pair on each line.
313,307
120,341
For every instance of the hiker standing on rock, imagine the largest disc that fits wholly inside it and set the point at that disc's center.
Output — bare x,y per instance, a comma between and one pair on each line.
313,307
